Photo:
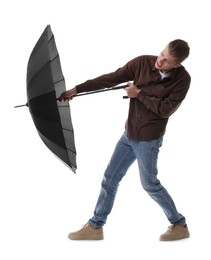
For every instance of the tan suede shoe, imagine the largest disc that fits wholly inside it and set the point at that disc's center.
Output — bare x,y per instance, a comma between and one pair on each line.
175,232
87,232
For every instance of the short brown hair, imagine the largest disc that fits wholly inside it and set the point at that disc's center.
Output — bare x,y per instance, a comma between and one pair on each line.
179,49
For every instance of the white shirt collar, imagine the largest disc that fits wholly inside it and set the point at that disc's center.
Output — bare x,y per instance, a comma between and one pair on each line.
164,75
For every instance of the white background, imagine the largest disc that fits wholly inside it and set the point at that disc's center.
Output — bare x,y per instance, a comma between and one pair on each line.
41,200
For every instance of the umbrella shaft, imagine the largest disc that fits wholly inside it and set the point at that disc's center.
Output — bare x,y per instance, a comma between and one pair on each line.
98,91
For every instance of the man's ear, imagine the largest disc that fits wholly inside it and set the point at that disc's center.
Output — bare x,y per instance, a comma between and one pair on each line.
177,65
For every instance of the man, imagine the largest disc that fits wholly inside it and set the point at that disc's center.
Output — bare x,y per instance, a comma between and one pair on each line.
160,84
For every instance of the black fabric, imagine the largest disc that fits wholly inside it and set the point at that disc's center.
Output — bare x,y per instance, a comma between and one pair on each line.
52,118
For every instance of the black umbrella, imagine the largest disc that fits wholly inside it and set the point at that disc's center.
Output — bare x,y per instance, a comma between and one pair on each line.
45,82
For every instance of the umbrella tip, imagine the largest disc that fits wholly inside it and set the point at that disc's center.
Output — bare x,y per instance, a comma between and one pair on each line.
26,105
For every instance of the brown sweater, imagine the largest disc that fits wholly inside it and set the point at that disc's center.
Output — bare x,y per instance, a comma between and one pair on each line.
157,100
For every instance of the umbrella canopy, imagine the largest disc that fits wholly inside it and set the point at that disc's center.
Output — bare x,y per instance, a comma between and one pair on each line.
52,118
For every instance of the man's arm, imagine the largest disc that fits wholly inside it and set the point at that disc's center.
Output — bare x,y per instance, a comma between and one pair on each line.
166,106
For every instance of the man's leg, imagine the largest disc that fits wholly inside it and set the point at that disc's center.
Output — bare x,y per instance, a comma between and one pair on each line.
123,156
147,154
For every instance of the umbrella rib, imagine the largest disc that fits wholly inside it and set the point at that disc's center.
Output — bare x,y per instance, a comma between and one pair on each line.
63,105
37,73
52,37
68,130
71,150
59,81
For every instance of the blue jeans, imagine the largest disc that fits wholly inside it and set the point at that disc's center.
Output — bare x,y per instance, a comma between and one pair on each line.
125,153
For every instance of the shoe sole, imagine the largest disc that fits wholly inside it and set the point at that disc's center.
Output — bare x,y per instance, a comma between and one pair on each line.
174,239
86,237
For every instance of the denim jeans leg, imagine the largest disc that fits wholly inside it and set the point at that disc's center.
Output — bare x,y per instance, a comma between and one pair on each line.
147,154
122,158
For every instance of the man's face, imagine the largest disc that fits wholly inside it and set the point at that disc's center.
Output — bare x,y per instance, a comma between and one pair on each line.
165,62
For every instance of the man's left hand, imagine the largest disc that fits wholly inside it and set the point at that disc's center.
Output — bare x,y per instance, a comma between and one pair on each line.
132,90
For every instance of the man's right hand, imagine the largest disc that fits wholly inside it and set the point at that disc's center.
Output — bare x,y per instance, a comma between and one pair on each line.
68,95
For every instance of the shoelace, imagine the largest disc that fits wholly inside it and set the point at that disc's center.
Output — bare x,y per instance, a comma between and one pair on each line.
171,227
